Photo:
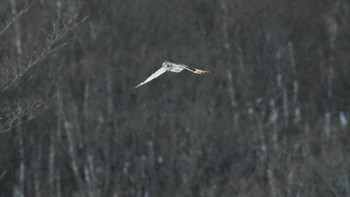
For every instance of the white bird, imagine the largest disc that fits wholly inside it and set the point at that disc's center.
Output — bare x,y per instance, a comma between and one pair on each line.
172,67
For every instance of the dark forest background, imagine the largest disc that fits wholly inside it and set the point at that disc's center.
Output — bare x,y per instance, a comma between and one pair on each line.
271,119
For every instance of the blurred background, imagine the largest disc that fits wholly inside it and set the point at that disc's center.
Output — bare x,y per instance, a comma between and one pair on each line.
271,119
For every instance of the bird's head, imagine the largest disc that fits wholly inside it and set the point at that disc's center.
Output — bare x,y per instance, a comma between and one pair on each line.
167,65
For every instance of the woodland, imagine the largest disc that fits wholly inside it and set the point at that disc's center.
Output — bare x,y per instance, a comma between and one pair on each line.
272,118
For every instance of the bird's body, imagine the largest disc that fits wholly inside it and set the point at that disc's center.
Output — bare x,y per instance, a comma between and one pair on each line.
172,67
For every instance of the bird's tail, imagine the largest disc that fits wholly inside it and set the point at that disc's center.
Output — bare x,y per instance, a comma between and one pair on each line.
200,72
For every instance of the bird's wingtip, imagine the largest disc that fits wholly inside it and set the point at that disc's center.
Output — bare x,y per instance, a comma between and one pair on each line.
138,85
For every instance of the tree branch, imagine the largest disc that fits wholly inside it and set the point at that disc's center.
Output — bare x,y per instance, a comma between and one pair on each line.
57,34
14,18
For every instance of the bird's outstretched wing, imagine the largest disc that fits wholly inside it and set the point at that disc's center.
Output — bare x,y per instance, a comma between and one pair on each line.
194,70
153,76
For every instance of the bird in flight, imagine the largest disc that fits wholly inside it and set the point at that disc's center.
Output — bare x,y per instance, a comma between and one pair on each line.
172,67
